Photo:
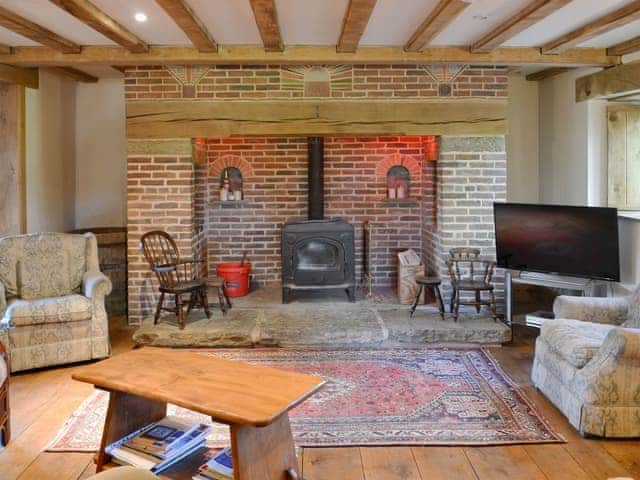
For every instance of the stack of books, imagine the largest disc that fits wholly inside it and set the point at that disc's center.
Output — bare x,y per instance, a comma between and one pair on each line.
159,445
219,467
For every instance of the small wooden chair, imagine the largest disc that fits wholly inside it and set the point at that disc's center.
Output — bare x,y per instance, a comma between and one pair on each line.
178,277
471,274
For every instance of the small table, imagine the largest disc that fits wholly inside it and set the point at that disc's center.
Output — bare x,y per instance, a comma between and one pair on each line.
434,284
253,400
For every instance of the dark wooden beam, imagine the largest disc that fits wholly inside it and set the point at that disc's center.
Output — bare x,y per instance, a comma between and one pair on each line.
74,74
626,47
610,21
190,23
266,17
355,21
611,82
520,21
22,76
303,55
35,32
546,73
91,15
5,49
442,15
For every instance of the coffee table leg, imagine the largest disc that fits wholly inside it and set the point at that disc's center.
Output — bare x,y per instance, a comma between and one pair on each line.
126,413
264,453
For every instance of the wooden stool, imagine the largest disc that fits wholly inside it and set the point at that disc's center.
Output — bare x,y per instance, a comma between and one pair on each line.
434,284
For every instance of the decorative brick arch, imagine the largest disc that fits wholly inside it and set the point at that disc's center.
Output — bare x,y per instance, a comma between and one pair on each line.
216,168
407,161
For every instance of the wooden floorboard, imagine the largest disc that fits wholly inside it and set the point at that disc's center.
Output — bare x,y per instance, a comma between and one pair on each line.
42,401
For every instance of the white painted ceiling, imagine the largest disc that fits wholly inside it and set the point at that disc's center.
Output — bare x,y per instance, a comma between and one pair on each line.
318,22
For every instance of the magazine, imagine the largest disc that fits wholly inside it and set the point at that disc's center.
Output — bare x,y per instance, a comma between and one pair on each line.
219,467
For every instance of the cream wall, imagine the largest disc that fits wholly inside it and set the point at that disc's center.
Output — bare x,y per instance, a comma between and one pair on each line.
522,141
49,154
100,150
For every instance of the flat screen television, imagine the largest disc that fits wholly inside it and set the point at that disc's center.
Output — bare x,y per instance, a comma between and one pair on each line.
572,241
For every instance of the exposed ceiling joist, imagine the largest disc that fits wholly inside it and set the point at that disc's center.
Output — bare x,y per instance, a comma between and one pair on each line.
611,82
266,17
88,13
4,49
618,18
355,21
624,48
304,55
22,76
74,74
442,15
546,73
35,32
520,21
190,23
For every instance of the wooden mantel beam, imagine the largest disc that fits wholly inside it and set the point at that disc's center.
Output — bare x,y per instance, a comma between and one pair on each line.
88,13
302,55
190,23
610,21
440,17
35,32
611,82
266,17
355,21
520,21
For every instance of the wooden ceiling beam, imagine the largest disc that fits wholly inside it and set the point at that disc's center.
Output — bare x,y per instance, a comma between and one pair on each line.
35,32
88,13
74,74
442,15
5,49
303,55
546,73
624,48
355,21
190,23
520,21
22,76
611,82
610,21
266,17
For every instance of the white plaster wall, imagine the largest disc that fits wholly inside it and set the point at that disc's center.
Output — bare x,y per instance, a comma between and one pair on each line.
629,230
49,154
522,142
100,150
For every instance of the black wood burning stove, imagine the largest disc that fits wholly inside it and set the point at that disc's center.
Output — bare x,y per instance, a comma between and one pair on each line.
317,253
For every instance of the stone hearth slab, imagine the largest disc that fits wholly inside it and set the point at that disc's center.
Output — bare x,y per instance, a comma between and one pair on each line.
260,320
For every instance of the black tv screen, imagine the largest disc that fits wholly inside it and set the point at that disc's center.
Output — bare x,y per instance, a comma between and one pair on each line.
574,241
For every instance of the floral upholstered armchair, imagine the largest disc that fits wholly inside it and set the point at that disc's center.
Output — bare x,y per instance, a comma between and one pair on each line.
52,295
587,362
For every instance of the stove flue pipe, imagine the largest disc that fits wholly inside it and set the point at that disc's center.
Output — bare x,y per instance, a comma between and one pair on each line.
315,146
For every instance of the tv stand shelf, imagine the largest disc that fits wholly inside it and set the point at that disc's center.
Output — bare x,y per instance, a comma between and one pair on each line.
579,286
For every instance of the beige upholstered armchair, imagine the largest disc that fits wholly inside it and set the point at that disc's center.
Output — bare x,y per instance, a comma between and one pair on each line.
587,362
52,300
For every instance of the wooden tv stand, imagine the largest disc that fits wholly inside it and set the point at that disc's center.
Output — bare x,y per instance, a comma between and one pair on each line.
253,400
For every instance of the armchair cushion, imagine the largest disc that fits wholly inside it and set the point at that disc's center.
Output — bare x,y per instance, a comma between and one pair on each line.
72,308
575,341
45,277
592,309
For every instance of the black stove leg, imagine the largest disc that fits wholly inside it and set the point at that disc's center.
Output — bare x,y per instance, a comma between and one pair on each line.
351,293
286,294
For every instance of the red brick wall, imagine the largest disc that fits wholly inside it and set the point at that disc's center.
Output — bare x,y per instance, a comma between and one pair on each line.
275,191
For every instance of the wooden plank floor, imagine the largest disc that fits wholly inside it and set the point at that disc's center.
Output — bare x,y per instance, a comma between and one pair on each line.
41,402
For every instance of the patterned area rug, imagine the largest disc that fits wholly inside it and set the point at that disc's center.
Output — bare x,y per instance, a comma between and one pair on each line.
375,397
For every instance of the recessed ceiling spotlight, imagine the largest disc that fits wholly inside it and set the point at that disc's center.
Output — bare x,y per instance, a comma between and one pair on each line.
140,17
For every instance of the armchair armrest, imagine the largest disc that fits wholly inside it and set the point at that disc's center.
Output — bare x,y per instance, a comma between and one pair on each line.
3,299
613,310
96,284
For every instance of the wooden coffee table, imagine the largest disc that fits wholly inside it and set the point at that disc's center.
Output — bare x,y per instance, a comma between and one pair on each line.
253,400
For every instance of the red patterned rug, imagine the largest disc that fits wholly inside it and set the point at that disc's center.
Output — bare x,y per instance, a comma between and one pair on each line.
375,397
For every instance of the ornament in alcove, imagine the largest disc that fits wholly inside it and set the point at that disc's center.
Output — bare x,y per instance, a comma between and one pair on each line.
398,182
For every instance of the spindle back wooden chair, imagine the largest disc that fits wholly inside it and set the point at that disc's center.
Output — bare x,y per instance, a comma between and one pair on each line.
178,276
470,273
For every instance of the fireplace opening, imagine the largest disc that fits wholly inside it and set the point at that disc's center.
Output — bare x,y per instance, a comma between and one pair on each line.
317,253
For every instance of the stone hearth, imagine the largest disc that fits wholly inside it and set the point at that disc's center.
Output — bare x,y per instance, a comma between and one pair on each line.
318,320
